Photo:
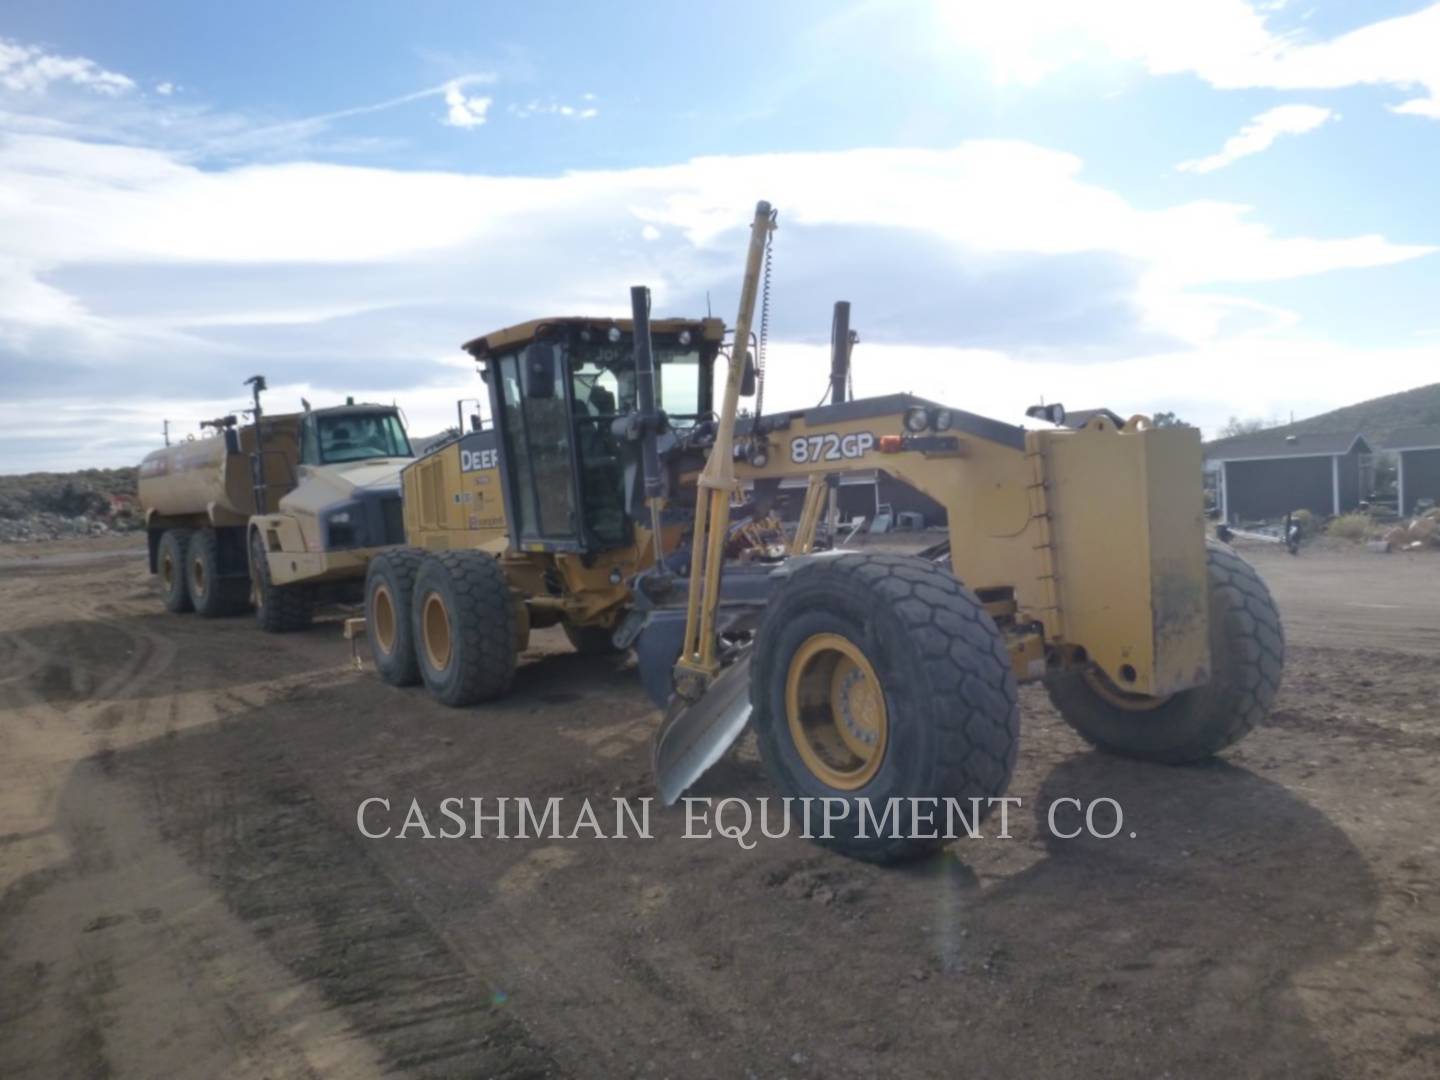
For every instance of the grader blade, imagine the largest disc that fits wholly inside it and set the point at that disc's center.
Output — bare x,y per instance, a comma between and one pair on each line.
695,735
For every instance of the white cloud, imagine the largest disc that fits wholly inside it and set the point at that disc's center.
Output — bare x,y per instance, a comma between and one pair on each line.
1260,134
553,108
104,110
462,111
1250,376
138,276
1227,43
30,69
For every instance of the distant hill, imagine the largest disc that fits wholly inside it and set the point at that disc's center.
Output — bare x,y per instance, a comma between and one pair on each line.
1377,419
68,494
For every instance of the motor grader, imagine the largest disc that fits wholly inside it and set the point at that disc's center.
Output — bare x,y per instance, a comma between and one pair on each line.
600,499
275,514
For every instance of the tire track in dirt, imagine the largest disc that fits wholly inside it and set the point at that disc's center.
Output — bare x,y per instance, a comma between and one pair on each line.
174,982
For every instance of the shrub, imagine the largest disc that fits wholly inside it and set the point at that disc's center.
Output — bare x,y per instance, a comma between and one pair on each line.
1305,521
1349,527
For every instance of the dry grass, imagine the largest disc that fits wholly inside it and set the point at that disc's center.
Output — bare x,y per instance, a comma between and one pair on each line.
1349,527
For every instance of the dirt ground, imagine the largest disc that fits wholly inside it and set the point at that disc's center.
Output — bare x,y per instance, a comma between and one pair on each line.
183,889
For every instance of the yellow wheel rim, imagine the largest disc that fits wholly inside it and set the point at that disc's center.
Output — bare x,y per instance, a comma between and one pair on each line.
197,576
167,570
835,708
435,629
1107,691
384,619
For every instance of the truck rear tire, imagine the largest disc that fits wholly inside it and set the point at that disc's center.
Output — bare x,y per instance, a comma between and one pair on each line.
463,625
389,596
212,594
1247,660
591,640
880,678
170,568
279,609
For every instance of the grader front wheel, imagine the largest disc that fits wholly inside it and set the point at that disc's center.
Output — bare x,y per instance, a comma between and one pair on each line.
1247,657
881,677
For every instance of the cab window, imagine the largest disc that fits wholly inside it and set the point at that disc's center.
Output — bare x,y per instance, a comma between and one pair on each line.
677,376
359,436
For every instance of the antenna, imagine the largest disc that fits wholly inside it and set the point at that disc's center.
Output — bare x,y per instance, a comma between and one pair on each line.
167,432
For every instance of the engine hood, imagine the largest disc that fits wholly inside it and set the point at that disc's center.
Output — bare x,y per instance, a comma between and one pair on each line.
325,485
359,475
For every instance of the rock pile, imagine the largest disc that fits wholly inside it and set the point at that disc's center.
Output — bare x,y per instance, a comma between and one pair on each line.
1416,534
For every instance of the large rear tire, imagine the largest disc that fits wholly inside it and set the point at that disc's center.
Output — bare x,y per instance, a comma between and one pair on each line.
213,595
879,678
170,568
463,625
279,609
1247,660
389,597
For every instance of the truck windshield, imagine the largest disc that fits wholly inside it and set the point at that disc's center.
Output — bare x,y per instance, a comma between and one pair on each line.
357,436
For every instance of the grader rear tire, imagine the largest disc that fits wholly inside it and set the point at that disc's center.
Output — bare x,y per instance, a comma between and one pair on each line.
389,597
170,567
463,626
214,596
1247,659
880,677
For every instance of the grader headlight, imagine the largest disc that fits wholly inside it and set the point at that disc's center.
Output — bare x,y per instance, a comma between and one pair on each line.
917,419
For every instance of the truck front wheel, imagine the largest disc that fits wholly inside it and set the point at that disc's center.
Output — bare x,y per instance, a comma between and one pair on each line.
279,609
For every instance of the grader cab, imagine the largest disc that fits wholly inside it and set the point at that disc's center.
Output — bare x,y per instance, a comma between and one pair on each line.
600,500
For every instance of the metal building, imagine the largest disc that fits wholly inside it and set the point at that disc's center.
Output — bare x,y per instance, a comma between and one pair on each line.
1417,453
1266,476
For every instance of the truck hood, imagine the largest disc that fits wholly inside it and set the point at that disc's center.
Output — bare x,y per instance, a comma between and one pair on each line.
357,475
325,485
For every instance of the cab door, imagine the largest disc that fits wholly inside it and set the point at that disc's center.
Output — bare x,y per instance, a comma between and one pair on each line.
533,417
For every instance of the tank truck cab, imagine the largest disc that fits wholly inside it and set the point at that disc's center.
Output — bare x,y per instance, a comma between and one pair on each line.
277,512
344,506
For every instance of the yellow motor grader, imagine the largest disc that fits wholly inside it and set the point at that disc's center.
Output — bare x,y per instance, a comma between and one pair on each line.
600,499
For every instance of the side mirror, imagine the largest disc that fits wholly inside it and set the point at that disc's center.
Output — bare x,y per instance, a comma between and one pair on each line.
748,378
542,362
1055,414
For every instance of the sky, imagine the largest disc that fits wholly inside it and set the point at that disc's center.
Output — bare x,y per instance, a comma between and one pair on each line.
1210,207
